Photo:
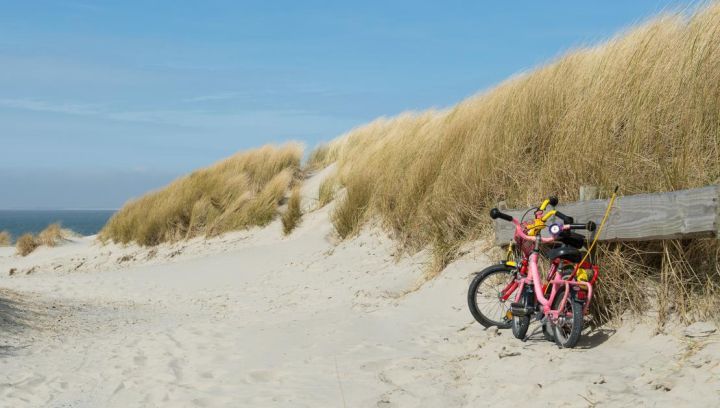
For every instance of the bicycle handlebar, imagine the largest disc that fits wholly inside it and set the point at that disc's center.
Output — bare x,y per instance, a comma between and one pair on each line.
566,219
538,238
590,226
552,200
495,214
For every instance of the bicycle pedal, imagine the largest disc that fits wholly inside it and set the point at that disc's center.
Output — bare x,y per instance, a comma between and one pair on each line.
518,309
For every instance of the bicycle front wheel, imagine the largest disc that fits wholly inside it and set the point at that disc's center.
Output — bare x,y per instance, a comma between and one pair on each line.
569,325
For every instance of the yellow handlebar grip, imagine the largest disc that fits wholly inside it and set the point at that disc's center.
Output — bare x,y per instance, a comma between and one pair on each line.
548,215
544,205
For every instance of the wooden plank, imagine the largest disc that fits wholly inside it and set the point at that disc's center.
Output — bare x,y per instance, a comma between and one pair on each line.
691,213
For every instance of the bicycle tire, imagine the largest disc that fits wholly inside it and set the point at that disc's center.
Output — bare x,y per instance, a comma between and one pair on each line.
568,338
521,324
480,277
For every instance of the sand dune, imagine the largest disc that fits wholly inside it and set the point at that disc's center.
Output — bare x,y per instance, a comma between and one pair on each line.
258,319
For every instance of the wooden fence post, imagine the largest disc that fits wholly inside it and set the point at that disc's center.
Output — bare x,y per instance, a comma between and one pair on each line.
588,193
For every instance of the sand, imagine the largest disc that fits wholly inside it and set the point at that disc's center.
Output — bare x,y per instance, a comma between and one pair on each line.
255,318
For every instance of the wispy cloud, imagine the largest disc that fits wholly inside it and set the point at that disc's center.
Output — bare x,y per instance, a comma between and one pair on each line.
295,89
100,111
47,106
220,96
267,120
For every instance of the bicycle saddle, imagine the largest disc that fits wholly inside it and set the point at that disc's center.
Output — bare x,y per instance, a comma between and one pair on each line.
573,239
567,253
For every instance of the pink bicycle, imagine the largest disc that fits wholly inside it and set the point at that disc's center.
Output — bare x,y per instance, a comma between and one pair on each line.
562,310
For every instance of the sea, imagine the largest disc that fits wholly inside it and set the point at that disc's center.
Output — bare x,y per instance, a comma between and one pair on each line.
84,222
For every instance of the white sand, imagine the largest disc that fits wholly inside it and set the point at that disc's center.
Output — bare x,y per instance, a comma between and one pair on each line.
258,319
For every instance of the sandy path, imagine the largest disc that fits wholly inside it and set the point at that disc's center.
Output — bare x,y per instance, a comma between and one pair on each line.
257,319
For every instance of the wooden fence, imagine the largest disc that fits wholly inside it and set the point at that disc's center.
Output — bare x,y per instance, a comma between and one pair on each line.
691,213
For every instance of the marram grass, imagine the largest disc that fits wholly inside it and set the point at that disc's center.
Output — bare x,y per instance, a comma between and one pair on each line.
641,111
239,192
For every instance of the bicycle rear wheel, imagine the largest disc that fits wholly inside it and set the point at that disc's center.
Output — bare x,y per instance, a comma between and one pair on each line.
485,296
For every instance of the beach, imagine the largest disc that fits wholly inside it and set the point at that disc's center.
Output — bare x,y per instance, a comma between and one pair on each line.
255,318
292,205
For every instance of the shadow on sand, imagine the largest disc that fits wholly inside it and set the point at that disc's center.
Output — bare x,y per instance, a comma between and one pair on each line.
590,338
595,337
16,317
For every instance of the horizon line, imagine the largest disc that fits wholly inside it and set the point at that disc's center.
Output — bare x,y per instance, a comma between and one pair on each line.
59,209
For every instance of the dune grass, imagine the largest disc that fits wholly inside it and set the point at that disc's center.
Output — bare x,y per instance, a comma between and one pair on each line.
5,238
51,235
237,193
26,244
326,192
292,215
641,111
318,157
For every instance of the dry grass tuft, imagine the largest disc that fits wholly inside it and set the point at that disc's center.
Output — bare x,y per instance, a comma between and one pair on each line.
5,238
51,235
26,244
350,212
641,111
237,193
318,158
674,277
291,217
327,191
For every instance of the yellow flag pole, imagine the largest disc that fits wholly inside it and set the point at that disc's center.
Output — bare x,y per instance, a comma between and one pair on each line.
600,228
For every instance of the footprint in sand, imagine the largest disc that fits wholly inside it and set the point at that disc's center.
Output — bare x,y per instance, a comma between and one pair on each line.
261,376
140,359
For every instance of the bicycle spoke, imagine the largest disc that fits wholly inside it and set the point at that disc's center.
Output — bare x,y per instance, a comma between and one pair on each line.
488,296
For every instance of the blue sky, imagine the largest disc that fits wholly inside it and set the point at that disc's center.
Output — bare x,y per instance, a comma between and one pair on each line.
101,101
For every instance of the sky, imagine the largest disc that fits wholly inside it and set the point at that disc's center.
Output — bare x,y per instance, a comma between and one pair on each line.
101,101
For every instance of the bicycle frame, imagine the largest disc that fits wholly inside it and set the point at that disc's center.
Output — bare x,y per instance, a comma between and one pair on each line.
554,282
